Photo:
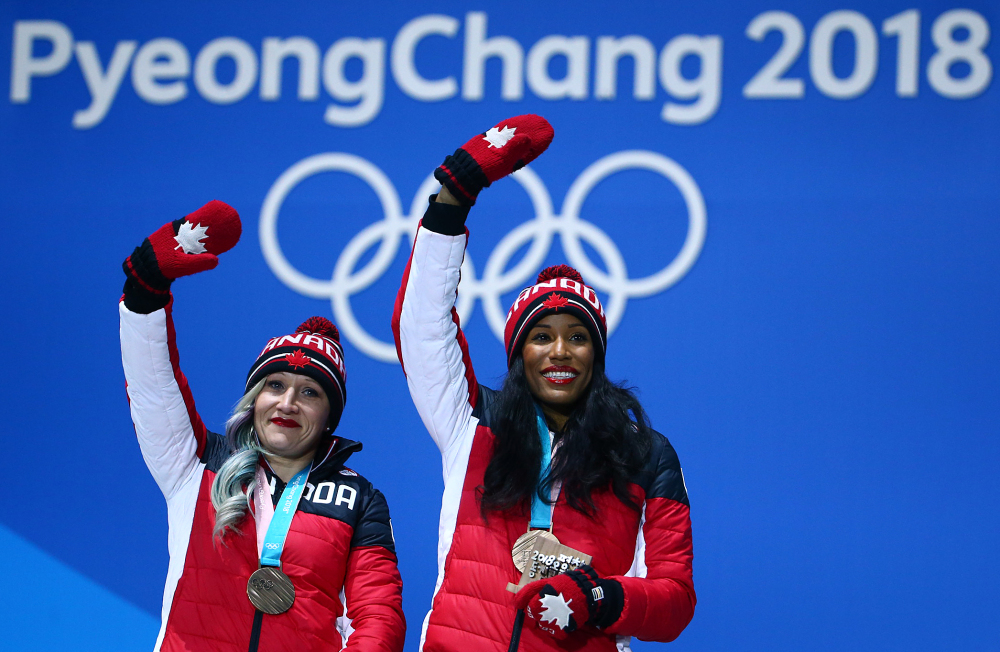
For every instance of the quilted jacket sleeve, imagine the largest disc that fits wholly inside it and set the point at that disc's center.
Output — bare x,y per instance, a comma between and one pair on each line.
373,590
170,432
659,590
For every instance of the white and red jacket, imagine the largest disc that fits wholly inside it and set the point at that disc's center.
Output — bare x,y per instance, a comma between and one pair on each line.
649,553
339,552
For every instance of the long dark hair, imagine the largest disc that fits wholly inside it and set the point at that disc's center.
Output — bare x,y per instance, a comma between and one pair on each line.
604,443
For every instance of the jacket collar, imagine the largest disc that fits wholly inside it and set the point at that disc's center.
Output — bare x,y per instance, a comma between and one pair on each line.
336,452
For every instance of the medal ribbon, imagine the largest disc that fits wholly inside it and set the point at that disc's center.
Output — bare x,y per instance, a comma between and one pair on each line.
541,511
273,523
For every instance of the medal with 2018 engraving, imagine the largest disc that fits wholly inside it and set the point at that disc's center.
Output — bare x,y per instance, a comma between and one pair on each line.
521,551
269,589
545,558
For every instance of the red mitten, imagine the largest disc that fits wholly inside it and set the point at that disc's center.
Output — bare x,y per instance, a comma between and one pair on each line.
185,246
562,604
492,155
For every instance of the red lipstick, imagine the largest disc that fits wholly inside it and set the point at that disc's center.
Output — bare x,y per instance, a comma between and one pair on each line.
285,423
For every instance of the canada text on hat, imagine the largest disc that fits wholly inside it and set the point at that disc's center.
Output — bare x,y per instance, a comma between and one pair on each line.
576,287
313,350
321,344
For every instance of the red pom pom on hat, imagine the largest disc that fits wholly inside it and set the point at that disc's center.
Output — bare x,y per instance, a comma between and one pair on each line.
319,326
559,271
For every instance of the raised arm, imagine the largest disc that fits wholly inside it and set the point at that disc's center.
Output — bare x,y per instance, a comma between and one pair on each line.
429,340
171,434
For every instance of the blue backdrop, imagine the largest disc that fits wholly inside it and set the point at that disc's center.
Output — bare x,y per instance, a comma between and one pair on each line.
800,238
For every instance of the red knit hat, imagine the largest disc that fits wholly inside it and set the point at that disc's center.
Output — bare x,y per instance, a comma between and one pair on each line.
314,350
559,288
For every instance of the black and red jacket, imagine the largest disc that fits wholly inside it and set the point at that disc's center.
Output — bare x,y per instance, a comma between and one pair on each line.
649,553
339,553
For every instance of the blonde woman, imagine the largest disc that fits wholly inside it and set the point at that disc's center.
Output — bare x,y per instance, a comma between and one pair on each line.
274,543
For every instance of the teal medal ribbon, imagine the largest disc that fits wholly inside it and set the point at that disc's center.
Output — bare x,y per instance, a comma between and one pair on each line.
277,531
541,511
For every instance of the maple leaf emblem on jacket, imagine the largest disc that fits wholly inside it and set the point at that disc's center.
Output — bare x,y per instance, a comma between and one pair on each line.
555,610
499,137
555,301
189,237
297,359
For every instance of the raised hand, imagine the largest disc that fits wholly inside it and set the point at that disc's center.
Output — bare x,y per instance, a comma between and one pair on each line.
492,155
183,247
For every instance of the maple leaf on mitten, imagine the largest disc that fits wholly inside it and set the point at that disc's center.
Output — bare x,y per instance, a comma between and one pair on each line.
555,606
509,146
183,247
499,138
189,237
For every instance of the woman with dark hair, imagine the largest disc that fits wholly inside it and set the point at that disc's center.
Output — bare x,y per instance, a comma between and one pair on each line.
266,519
559,449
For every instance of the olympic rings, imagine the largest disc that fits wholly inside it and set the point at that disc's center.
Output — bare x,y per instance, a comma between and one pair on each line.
389,232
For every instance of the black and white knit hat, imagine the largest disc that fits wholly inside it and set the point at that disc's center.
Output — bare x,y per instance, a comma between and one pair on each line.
313,350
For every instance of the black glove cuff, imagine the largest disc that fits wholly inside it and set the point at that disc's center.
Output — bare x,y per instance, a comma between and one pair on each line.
145,270
463,176
146,288
446,219
605,597
609,608
140,300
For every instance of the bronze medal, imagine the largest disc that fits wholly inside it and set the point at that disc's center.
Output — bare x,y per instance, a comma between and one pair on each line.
521,552
544,557
270,590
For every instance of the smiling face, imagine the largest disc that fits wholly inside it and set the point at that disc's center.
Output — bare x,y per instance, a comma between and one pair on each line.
558,364
290,415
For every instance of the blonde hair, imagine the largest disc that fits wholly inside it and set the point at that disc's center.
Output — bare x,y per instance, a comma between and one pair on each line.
235,482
